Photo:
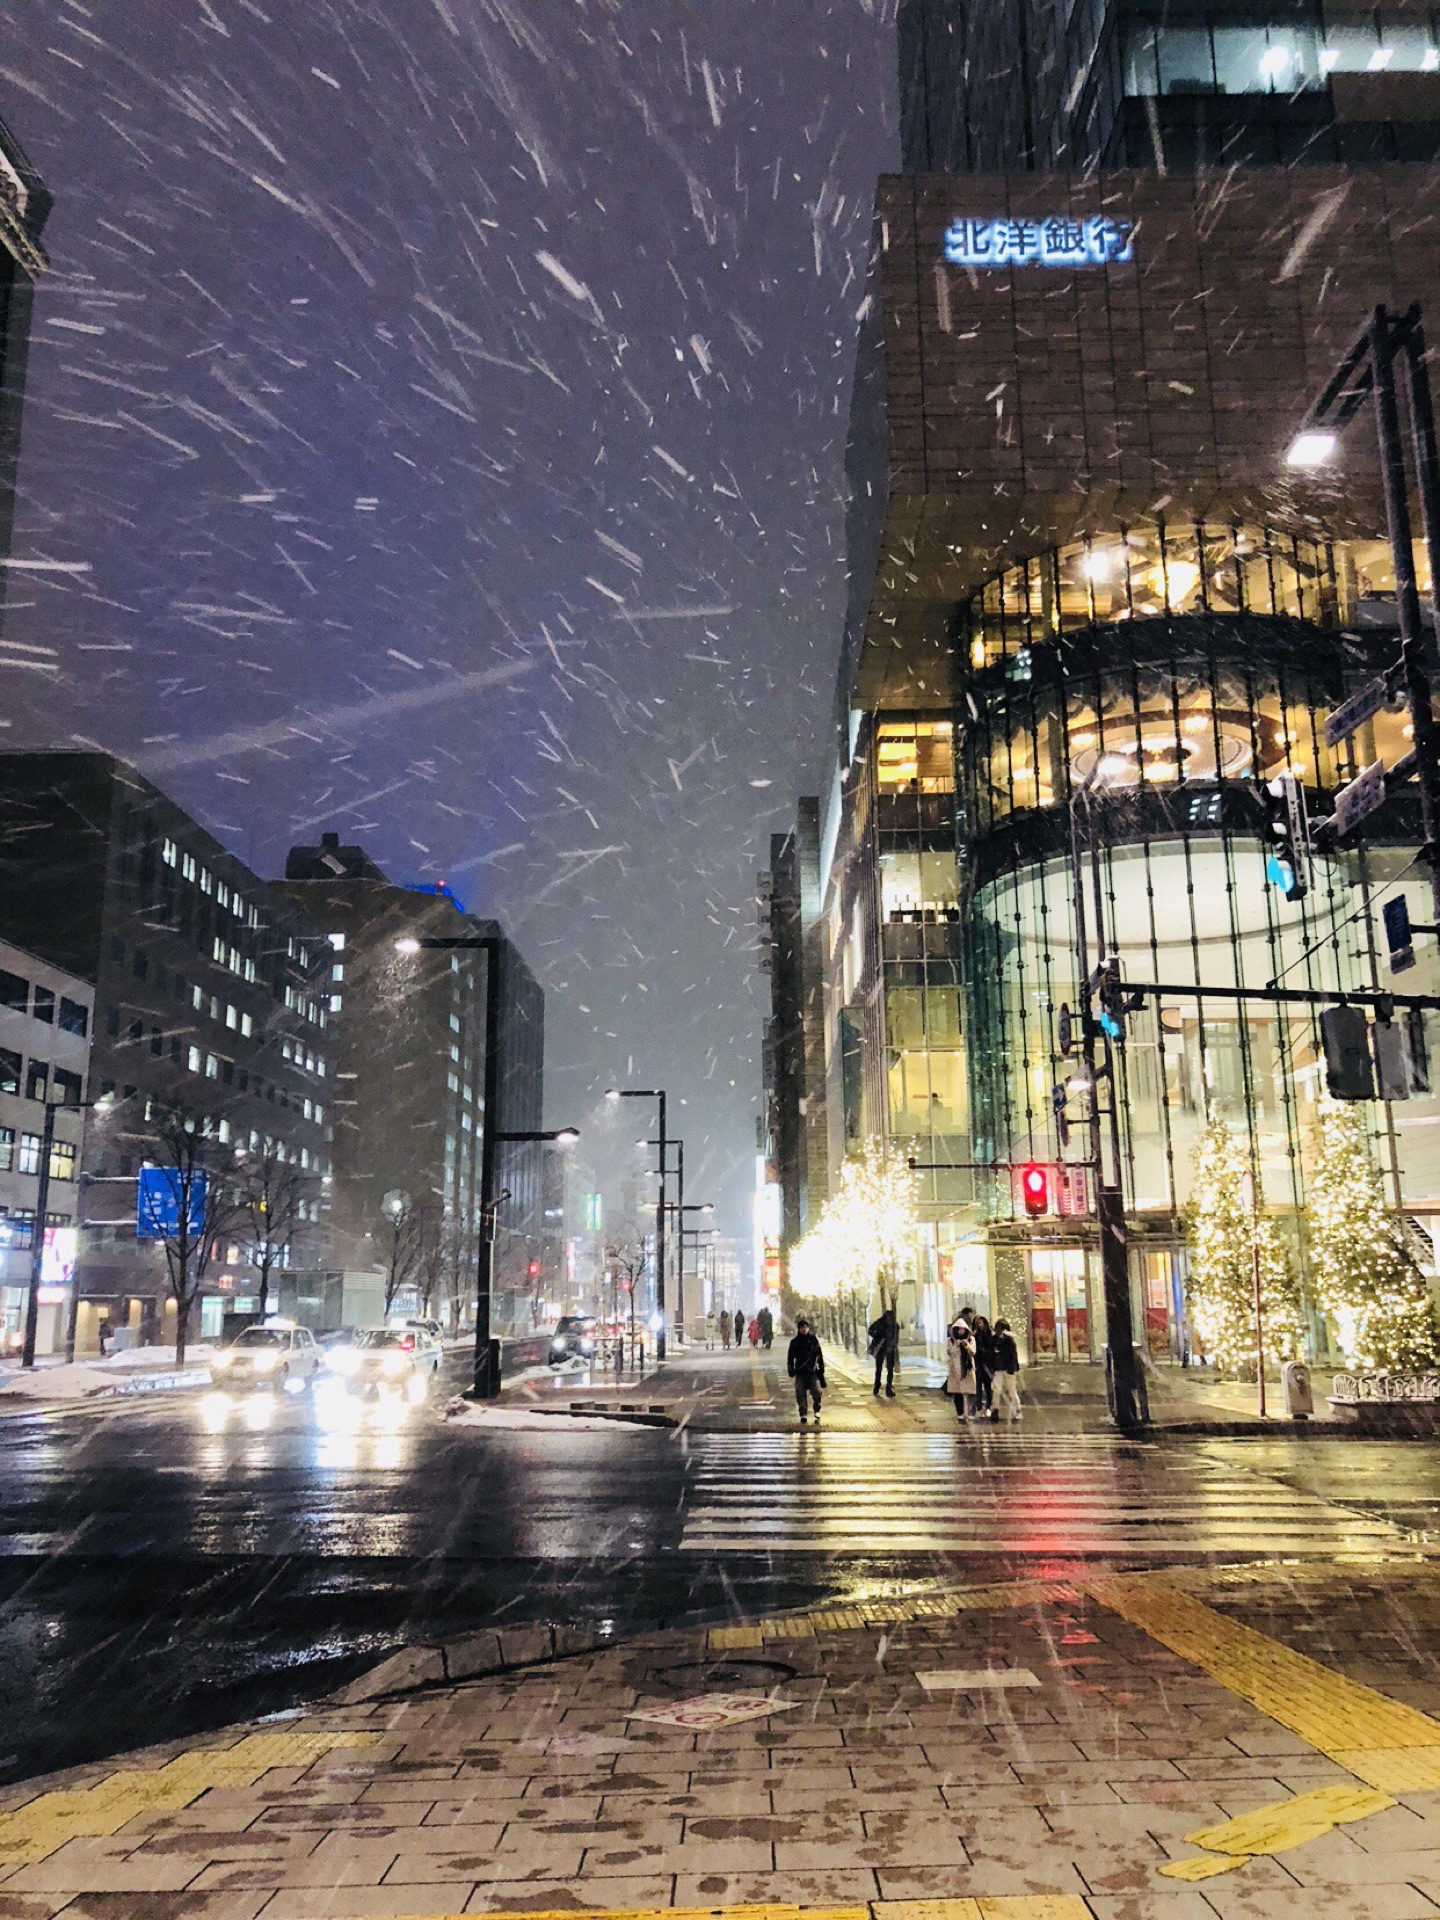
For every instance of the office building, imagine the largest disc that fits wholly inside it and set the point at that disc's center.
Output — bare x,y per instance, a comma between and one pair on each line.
208,999
1095,611
45,1020
796,1144
408,1030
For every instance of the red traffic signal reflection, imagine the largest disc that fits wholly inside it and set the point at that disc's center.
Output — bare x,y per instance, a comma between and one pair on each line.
1035,1189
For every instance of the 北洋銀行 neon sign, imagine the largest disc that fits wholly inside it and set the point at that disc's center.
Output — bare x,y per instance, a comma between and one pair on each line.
1054,241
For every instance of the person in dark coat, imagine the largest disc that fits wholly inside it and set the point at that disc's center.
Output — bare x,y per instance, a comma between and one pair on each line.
767,1327
885,1349
805,1364
739,1326
984,1366
1007,1372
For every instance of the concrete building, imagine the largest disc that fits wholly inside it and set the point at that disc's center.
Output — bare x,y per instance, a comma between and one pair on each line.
208,999
1094,611
408,1030
792,948
45,1022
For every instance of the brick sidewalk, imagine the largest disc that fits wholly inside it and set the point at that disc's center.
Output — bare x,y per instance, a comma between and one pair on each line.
1139,1721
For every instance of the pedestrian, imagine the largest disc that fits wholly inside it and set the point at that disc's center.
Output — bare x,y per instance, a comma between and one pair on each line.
710,1331
984,1365
885,1350
960,1368
739,1326
806,1365
727,1327
754,1331
1007,1373
767,1327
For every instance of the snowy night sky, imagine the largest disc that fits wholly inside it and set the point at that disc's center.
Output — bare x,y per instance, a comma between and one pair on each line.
447,399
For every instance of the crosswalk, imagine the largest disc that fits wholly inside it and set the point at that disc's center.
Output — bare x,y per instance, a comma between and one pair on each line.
997,1493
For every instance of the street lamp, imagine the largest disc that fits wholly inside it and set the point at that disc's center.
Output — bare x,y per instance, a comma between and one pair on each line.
1367,370
37,1236
657,1094
486,1381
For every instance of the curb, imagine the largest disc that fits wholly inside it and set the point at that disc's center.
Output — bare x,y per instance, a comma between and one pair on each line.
473,1656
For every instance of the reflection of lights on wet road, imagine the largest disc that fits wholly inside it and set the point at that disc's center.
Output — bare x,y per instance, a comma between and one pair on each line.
255,1410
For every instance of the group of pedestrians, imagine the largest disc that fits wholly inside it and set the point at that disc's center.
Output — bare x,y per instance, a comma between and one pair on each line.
982,1368
735,1329
982,1373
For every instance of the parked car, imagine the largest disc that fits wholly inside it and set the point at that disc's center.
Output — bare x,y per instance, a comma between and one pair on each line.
387,1362
277,1355
432,1327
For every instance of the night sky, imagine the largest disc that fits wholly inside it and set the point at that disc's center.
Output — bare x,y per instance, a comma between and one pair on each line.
447,399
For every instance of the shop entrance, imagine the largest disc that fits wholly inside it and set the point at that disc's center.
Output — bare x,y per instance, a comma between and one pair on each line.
1059,1304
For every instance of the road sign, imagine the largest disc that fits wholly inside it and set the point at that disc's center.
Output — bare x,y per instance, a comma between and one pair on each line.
157,1202
1398,935
1065,1031
1354,712
1363,795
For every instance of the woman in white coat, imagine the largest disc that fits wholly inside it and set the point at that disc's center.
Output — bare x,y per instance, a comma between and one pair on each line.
960,1381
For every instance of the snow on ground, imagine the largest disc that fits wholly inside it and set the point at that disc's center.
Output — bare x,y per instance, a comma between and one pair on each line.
81,1379
466,1413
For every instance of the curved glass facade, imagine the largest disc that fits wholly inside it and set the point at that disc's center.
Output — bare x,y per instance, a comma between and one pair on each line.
1113,730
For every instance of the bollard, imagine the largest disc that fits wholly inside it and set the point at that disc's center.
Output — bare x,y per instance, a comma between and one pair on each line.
1295,1384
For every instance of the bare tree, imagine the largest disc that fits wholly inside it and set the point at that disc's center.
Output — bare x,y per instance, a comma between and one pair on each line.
199,1169
275,1196
626,1262
415,1248
459,1263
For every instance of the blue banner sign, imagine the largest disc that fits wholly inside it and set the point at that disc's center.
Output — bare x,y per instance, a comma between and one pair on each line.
157,1203
1054,241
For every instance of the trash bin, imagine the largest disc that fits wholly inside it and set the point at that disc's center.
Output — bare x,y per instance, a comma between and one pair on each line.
1299,1398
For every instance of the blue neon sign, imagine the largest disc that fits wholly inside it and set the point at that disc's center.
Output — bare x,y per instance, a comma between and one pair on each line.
1055,241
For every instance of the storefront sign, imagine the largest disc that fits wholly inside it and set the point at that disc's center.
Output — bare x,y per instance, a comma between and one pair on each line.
1054,241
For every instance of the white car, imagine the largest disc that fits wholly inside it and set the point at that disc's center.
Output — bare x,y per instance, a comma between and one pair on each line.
286,1357
388,1362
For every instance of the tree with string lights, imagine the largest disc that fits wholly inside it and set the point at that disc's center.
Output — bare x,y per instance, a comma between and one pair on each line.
1367,1282
861,1243
1227,1235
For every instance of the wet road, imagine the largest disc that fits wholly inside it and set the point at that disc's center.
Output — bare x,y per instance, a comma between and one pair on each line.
159,1577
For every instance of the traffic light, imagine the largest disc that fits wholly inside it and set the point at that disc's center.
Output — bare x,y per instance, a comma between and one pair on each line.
1035,1189
1111,991
1282,803
534,1269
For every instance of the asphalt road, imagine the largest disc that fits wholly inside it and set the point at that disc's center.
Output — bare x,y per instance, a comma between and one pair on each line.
158,1577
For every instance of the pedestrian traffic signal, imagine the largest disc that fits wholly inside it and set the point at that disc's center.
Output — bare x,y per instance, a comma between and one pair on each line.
1111,990
1035,1189
1282,802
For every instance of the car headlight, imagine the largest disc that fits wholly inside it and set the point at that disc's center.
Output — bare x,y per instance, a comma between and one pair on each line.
343,1360
264,1362
221,1361
394,1363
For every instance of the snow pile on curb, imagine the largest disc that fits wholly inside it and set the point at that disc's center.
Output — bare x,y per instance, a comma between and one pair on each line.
160,1359
76,1382
468,1413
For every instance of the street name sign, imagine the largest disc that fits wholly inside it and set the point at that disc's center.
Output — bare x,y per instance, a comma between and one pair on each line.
1360,799
1354,712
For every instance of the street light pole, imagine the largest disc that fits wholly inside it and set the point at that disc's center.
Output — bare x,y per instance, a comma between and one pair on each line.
657,1094
37,1238
486,1379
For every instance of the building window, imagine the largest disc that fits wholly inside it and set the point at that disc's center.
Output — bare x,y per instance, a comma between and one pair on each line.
7,1149
217,951
222,894
14,992
247,1026
10,1064
169,852
112,1022
157,1044
43,1006
337,941
212,1067
21,1222
68,1086
74,1017
232,1018
192,1059
62,1160
207,880
187,866
336,1002
37,1080
30,1145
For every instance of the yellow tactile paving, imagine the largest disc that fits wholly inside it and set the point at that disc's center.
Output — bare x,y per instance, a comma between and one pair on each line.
1332,1713
989,1907
732,1639
1010,1906
1290,1823
41,1827
1394,1769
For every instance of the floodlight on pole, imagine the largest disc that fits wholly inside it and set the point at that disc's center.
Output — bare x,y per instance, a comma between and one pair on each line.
407,944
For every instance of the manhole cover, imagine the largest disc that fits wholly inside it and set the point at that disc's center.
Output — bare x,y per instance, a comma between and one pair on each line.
694,1676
